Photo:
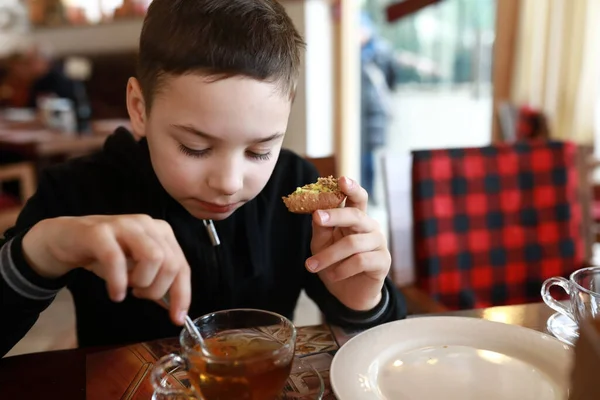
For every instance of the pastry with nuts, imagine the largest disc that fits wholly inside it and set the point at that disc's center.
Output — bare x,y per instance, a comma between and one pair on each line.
322,195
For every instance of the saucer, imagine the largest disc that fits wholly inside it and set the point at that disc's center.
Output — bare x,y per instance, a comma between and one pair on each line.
563,328
304,383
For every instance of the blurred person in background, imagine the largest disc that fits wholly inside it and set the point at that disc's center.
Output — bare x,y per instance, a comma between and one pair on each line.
47,78
14,90
378,79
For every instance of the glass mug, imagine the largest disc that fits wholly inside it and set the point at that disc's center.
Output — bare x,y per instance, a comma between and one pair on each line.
583,288
250,357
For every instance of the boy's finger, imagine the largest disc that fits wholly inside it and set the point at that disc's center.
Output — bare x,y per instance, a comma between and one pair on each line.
368,262
175,248
357,196
161,284
147,255
341,250
180,296
181,287
347,217
166,273
112,264
321,235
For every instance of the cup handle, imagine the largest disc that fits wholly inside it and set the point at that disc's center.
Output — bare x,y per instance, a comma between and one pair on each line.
551,301
161,371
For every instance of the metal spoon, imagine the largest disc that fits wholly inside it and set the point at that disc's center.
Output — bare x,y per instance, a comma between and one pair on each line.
191,328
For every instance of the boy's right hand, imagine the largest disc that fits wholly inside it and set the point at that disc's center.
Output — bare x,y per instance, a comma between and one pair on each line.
125,250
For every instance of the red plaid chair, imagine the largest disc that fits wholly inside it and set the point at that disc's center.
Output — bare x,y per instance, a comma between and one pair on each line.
492,223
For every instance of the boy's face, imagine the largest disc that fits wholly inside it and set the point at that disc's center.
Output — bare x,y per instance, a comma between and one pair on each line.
213,145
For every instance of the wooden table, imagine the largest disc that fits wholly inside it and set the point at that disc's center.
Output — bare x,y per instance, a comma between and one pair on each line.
62,374
37,143
40,144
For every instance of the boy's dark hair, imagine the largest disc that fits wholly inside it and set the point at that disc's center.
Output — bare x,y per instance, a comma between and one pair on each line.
219,39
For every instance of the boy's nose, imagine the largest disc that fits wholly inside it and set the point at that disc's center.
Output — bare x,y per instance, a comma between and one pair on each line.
226,181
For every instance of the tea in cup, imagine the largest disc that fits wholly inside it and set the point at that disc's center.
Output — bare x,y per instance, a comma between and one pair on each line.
248,356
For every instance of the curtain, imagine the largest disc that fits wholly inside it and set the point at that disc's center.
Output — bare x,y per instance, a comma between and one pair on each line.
557,64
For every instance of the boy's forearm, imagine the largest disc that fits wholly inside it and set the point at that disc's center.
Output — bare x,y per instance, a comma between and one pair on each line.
18,274
23,295
36,252
390,307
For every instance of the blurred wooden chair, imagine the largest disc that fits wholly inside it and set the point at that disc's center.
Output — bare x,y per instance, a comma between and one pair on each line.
532,124
398,191
518,123
590,203
590,168
24,174
507,118
325,165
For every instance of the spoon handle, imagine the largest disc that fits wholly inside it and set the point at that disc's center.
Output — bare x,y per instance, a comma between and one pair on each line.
191,327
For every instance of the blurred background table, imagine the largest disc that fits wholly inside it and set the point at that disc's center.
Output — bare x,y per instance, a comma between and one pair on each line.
36,143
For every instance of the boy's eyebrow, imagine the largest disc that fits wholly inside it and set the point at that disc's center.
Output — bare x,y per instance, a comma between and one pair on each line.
207,136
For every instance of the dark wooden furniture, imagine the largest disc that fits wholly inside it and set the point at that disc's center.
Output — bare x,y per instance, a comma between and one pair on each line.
401,9
39,144
325,165
108,83
24,174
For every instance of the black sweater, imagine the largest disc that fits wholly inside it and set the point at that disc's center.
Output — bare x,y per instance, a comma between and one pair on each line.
259,263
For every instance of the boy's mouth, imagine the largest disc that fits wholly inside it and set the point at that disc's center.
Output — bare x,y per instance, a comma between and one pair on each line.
218,208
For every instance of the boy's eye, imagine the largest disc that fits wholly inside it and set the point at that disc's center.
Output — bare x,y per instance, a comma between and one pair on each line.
260,156
205,152
193,153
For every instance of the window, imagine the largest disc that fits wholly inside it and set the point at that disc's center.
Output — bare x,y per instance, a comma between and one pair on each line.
434,89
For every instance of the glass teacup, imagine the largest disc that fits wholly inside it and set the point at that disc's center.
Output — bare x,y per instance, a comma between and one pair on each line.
583,288
250,355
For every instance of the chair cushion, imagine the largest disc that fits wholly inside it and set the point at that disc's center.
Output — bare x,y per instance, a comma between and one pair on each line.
492,223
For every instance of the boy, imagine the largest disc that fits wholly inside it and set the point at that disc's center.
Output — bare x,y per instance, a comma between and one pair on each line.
195,206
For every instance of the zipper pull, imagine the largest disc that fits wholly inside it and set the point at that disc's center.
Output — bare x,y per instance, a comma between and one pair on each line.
212,232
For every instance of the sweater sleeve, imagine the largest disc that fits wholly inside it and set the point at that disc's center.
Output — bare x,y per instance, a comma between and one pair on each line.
391,307
23,293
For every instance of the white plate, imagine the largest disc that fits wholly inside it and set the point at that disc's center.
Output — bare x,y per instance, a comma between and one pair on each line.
447,358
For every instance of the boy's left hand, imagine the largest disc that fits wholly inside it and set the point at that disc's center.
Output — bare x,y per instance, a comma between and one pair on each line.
349,250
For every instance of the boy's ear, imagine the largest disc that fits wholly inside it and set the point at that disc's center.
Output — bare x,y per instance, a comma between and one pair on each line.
136,107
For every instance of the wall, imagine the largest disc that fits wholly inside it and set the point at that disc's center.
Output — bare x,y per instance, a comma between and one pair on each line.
310,130
348,90
319,81
14,24
117,37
